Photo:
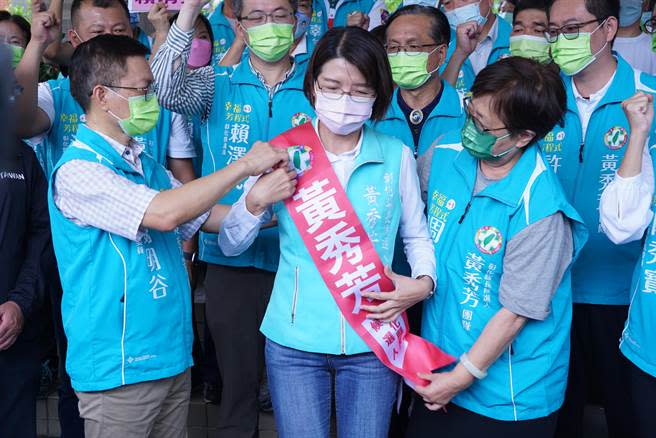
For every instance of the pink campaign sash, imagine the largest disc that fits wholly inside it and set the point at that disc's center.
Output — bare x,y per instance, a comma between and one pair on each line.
346,258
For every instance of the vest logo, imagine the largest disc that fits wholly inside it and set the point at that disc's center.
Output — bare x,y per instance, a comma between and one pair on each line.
300,118
488,240
300,158
616,137
247,108
560,136
451,204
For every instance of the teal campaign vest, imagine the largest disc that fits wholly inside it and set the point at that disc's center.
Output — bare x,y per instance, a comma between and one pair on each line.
302,314
500,49
242,113
447,116
470,235
126,306
602,274
68,114
223,34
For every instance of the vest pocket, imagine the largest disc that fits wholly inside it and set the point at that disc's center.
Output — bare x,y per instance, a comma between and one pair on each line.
295,296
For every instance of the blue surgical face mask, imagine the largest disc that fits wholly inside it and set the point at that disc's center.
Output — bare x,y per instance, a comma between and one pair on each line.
302,24
463,14
630,12
420,2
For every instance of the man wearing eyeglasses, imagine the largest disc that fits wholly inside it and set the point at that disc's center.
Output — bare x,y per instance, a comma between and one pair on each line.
632,43
255,100
118,217
49,113
424,106
585,153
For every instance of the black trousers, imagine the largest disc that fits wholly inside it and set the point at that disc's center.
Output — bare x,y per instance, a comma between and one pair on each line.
597,372
236,301
643,392
458,422
20,371
71,425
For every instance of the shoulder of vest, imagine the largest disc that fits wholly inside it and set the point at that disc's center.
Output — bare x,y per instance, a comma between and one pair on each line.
644,81
543,194
78,150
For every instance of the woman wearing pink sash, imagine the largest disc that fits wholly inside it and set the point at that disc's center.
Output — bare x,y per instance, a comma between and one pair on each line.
312,349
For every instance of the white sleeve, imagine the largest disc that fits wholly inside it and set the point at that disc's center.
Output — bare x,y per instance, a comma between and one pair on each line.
180,144
240,228
47,104
45,101
417,243
625,207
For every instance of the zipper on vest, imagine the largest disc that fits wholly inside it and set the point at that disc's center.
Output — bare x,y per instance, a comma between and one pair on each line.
295,297
581,152
270,106
342,335
462,218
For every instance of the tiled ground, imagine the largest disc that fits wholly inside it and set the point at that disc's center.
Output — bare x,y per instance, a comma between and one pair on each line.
200,423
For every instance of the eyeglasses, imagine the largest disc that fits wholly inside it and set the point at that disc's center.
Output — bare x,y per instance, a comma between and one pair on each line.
410,49
649,26
336,93
467,103
569,31
258,18
148,92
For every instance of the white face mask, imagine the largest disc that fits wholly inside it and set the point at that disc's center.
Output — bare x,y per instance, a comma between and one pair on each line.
342,115
463,14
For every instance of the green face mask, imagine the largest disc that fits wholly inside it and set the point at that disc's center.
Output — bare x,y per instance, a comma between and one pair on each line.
271,41
573,56
480,143
531,47
16,54
653,42
410,70
144,114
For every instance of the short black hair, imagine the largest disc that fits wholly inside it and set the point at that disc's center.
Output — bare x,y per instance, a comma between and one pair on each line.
104,4
440,30
601,9
98,61
238,7
202,18
365,52
523,5
525,94
19,21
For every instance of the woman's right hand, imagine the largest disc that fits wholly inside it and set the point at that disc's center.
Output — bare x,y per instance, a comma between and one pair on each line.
269,189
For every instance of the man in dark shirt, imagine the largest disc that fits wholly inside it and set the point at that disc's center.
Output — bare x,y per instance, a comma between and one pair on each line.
24,245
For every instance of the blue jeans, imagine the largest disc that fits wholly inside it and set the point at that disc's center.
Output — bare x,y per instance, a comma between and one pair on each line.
301,386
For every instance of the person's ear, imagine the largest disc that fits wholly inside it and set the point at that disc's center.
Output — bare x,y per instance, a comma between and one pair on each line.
73,37
524,138
99,97
242,32
610,27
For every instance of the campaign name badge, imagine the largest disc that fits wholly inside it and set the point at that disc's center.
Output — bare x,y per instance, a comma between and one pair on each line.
488,240
299,119
300,158
616,137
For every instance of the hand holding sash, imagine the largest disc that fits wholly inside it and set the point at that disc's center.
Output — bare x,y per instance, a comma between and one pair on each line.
407,292
269,189
443,387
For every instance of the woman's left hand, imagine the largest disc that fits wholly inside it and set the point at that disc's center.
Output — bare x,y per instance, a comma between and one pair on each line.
407,292
443,387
